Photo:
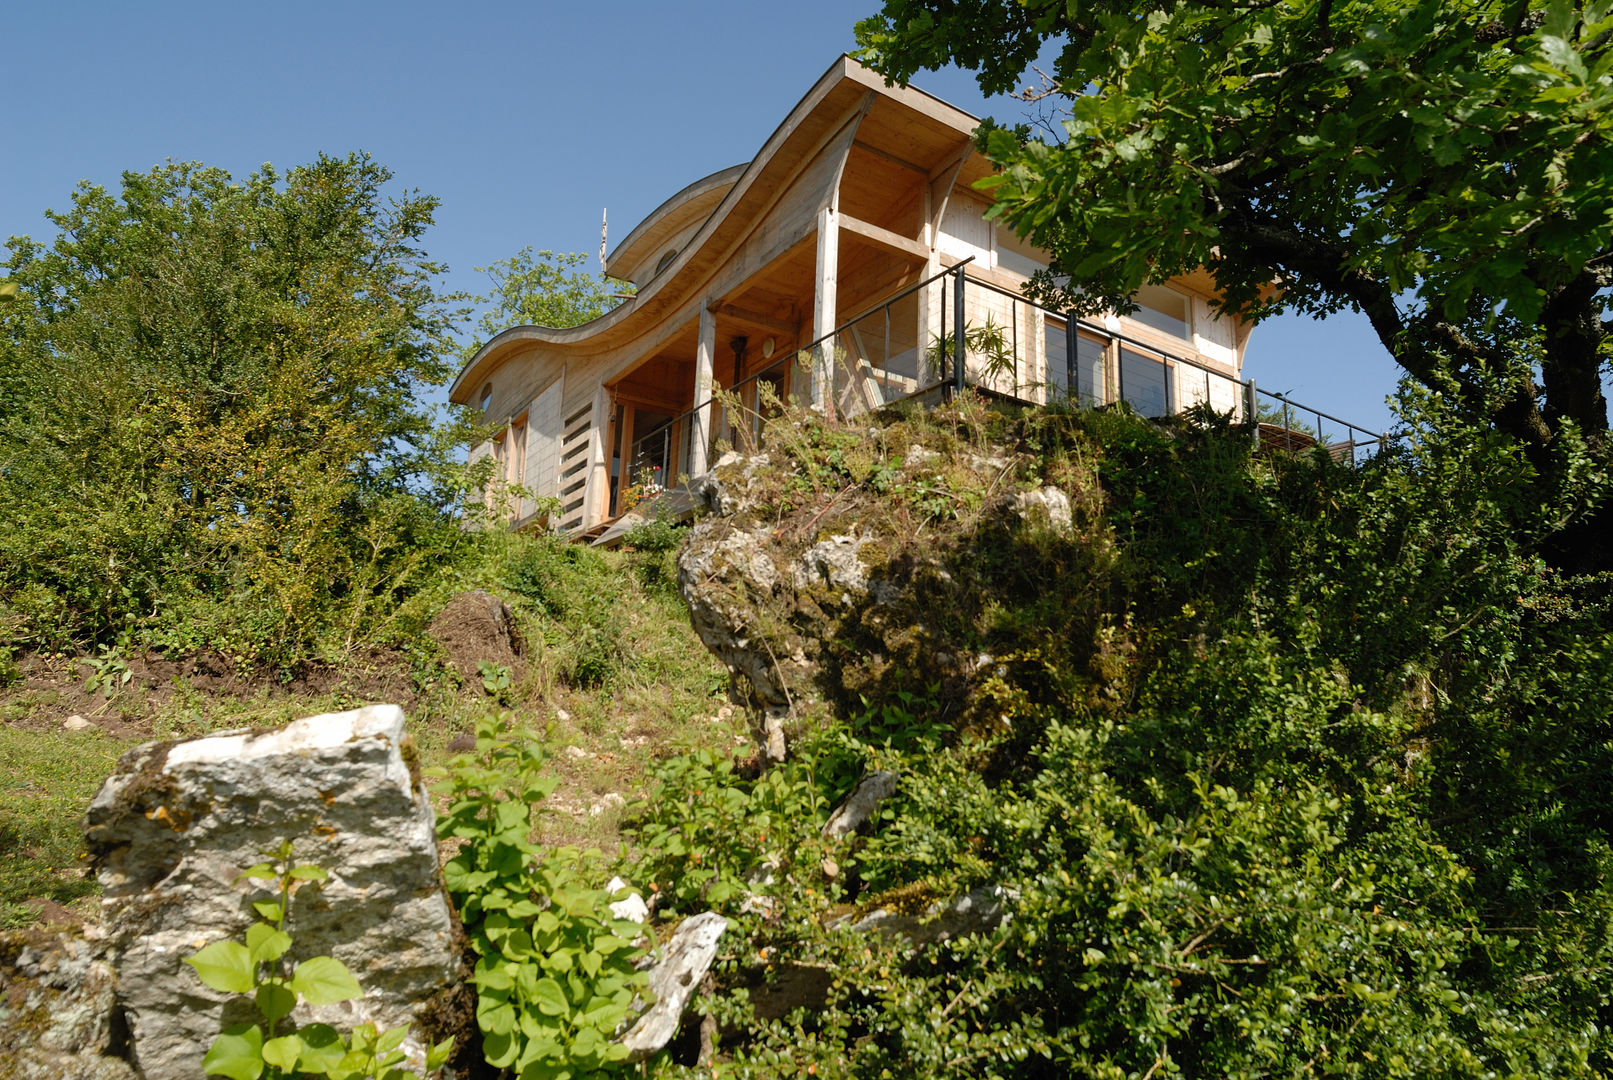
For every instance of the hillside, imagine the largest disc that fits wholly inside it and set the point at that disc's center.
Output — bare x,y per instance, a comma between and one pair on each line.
1171,758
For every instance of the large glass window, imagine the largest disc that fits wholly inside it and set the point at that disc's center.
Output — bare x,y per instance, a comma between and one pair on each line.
1084,382
1145,382
1164,309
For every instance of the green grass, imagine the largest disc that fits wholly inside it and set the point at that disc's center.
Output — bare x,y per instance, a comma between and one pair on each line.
612,670
50,777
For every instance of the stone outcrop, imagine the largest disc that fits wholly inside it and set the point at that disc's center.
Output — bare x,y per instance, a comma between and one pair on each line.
58,1009
172,829
978,912
823,595
860,805
679,967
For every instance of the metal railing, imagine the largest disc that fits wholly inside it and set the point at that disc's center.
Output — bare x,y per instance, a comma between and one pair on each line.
951,331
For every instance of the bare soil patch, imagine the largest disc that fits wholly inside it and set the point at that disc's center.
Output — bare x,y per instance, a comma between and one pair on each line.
54,687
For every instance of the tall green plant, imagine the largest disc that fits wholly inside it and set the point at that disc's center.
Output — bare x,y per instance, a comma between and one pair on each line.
555,976
212,428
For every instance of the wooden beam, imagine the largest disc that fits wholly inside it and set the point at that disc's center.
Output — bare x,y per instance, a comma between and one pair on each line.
705,352
824,299
942,181
886,155
756,318
884,237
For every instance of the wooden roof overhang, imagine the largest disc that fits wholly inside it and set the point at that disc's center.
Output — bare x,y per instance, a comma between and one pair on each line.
900,125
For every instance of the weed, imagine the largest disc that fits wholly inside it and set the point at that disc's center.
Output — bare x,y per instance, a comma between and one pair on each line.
109,672
555,975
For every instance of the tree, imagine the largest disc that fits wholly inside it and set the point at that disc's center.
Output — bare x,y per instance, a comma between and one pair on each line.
210,429
543,289
1445,168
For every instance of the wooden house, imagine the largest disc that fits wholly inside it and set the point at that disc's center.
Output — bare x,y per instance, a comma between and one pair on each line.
829,268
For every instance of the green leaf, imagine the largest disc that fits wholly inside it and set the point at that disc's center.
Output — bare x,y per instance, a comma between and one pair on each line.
261,872
275,1001
269,909
392,1039
237,1053
550,998
324,980
283,1052
308,872
439,1054
500,1048
265,943
495,1018
585,1042
322,1049
226,966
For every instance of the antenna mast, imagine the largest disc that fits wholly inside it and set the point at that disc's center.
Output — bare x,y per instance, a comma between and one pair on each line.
602,223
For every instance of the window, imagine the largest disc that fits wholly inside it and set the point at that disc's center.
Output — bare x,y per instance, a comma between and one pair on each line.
1164,309
665,260
1145,383
1084,382
1018,256
487,397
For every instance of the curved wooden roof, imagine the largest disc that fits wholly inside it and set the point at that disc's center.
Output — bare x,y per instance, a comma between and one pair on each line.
636,256
905,121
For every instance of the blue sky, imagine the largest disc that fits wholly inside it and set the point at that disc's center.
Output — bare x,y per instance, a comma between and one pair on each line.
524,119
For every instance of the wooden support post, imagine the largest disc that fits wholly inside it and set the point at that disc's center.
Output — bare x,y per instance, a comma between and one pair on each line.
823,308
705,350
596,504
626,473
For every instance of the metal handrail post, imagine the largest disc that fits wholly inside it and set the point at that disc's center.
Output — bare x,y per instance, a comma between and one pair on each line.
958,324
1251,410
1072,368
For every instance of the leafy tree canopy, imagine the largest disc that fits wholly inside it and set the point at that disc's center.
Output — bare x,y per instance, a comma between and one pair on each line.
1445,168
543,289
209,424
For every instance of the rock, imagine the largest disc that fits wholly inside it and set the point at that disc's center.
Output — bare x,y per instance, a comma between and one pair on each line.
978,912
608,801
172,829
834,562
58,1010
676,976
708,490
918,455
463,743
77,723
632,906
860,805
1047,506
577,753
723,573
562,715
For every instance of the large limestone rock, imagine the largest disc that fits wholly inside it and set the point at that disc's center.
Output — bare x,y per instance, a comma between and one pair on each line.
860,805
173,828
58,1009
674,980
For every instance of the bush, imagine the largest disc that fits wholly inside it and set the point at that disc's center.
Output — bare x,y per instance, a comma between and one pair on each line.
211,430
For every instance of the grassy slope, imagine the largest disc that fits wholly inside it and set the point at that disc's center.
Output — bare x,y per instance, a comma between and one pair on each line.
612,671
